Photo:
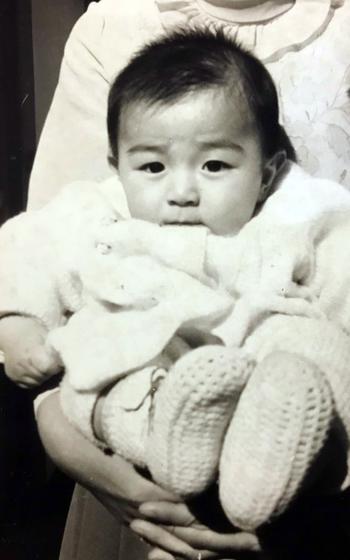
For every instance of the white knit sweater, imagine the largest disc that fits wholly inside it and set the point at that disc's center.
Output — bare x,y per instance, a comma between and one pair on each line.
73,254
143,282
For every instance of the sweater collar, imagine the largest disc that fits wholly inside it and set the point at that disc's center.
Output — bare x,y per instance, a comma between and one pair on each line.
269,28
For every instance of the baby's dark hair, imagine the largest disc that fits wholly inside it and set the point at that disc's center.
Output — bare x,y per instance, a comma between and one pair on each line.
194,60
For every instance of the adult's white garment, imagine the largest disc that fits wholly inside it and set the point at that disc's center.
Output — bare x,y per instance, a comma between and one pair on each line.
306,49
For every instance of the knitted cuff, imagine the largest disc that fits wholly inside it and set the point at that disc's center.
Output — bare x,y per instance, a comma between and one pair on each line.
192,409
125,414
280,425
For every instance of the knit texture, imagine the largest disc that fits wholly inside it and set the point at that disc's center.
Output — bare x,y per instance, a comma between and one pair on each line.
262,291
191,411
279,426
126,407
321,342
20,264
99,263
126,413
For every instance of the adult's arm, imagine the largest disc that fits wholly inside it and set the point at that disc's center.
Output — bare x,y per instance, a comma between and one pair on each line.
155,514
88,465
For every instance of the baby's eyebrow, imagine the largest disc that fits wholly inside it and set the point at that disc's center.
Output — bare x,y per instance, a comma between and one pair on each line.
215,144
161,148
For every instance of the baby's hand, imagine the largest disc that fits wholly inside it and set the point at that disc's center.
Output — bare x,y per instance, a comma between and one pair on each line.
29,361
29,364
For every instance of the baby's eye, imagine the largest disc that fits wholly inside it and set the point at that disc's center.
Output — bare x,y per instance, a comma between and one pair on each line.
153,167
214,166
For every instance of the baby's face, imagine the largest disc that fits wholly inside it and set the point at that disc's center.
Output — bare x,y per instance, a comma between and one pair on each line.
197,161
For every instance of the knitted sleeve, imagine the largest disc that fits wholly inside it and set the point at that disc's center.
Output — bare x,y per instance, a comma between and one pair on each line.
127,262
28,270
39,250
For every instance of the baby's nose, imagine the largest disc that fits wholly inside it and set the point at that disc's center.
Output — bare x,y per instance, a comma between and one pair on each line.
183,191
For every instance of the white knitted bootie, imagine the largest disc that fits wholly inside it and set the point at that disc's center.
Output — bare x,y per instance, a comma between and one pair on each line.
279,426
124,420
126,412
191,411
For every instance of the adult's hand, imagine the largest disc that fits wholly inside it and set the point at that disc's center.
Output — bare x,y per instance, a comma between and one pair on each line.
155,515
175,531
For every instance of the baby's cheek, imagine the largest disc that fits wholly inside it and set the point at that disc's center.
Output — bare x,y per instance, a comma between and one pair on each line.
138,205
147,209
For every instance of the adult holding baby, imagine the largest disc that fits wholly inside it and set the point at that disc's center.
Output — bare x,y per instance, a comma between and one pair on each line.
100,45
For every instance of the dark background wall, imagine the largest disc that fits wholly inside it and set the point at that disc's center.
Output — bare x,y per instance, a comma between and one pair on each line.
34,497
51,22
32,38
17,132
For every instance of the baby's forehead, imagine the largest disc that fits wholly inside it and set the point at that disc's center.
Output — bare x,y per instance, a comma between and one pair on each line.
203,120
231,98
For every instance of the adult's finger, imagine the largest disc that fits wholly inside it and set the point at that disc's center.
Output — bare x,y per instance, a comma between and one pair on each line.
178,519
207,539
161,538
159,554
168,513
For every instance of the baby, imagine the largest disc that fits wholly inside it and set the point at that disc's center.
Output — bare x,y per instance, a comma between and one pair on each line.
217,282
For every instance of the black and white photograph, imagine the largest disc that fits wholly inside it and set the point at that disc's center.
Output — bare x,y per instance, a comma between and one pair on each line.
175,280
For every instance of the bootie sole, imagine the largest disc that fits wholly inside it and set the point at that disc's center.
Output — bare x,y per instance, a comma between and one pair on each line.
279,426
192,409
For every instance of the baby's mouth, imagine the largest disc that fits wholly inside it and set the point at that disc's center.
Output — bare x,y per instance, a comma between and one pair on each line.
183,223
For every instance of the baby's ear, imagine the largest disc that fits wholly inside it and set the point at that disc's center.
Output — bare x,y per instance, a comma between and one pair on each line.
272,169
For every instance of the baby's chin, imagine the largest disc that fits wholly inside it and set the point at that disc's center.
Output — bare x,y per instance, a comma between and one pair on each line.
223,232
